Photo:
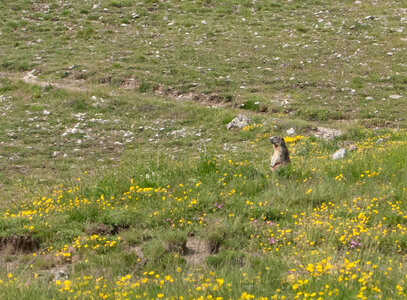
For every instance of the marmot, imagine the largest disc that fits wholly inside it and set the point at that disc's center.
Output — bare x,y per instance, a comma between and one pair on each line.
281,156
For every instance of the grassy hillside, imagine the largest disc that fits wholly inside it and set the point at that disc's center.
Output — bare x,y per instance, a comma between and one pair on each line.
119,179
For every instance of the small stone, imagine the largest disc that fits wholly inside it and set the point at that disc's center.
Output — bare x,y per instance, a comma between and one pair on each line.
379,141
339,154
46,112
353,148
94,98
291,131
395,97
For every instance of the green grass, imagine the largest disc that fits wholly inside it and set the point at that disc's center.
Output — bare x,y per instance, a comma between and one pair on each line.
116,164
316,55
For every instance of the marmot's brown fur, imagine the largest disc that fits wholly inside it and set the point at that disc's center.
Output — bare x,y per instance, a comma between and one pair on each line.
281,156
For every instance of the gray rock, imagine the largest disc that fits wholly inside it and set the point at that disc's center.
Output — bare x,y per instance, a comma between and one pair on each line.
239,122
61,273
327,133
339,154
379,141
291,131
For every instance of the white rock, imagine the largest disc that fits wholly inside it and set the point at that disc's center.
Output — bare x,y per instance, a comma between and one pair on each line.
395,97
339,154
46,112
291,131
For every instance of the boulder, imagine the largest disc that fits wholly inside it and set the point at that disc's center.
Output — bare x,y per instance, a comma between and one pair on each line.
327,134
239,122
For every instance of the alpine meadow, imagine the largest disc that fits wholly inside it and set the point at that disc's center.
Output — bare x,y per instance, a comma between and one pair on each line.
135,149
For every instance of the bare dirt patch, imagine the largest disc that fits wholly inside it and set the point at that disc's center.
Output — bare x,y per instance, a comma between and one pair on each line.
18,243
209,99
173,93
198,250
99,229
103,229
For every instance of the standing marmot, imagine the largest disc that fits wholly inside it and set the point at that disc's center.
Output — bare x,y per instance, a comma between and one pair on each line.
280,157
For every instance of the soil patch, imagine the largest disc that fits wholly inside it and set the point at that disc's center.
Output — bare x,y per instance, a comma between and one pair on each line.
103,229
198,250
18,243
99,229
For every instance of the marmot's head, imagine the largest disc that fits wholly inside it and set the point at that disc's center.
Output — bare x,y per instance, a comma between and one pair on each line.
277,141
